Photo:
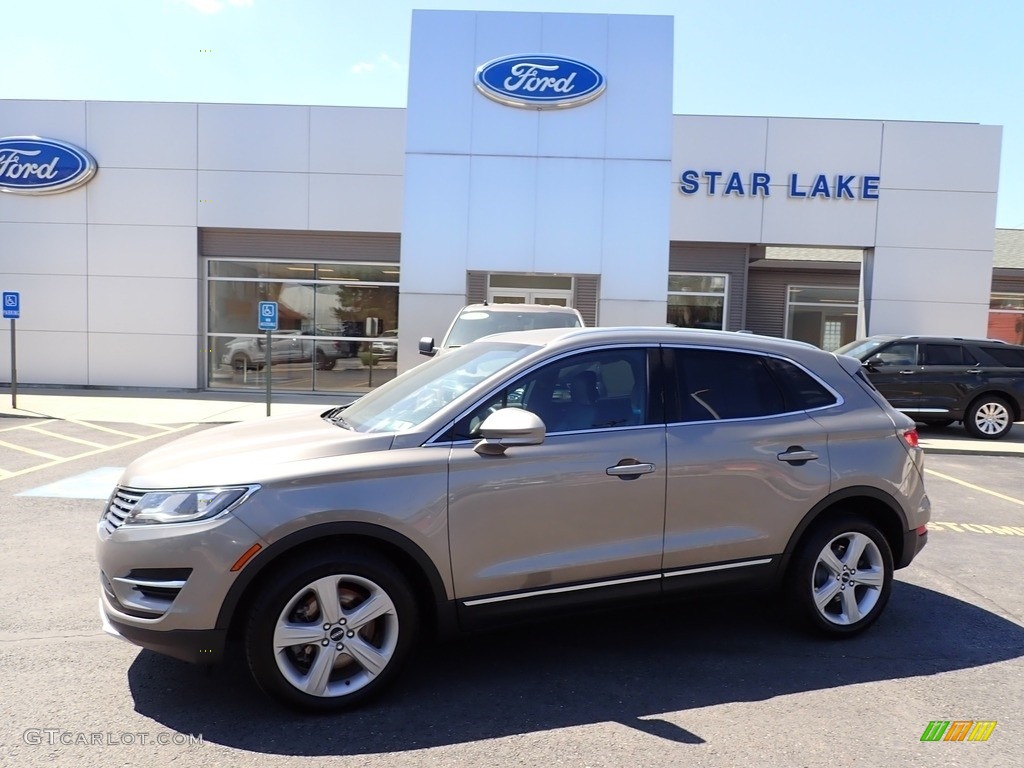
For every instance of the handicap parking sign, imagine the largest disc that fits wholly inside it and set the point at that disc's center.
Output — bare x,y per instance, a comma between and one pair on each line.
12,305
268,315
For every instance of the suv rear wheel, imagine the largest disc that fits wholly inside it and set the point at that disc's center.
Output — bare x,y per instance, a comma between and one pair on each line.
331,630
988,418
842,576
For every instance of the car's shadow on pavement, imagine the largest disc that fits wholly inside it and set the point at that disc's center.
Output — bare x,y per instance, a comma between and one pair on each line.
627,666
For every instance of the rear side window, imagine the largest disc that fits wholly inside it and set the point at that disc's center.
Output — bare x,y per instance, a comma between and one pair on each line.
1011,357
718,384
802,392
944,354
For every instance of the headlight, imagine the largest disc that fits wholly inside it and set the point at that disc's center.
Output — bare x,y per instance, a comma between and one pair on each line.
184,506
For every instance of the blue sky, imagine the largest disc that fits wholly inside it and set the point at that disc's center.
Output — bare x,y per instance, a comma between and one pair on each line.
873,59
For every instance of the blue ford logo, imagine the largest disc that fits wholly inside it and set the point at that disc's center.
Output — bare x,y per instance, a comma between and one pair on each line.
539,81
30,165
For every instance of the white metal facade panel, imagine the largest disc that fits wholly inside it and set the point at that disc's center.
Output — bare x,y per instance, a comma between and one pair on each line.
142,196
941,156
355,202
143,135
258,200
47,249
437,229
125,306
142,360
253,137
142,251
63,120
50,357
915,275
909,218
439,107
65,208
356,140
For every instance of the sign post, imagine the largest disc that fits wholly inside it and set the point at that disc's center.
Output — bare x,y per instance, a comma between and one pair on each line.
268,323
12,310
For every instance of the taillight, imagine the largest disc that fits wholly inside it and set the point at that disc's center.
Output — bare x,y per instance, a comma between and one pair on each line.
910,436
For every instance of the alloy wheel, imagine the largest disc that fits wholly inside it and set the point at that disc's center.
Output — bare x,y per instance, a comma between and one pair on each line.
848,578
336,635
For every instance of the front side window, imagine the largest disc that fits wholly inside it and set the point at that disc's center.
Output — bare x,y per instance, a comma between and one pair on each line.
593,390
902,353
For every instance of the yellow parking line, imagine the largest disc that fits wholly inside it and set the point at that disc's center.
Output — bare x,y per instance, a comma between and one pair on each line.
23,449
973,487
105,449
1002,530
25,426
101,428
66,437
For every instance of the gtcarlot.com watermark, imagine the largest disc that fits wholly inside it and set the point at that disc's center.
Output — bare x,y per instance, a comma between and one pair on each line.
52,737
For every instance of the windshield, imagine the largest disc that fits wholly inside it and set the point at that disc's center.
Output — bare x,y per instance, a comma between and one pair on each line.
470,326
861,349
412,398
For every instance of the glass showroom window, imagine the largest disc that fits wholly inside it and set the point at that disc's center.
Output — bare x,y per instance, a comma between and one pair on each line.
697,300
328,317
825,316
1006,317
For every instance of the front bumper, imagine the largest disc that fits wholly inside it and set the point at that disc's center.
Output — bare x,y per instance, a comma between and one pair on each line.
196,646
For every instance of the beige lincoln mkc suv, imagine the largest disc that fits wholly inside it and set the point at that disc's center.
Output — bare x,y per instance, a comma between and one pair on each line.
537,471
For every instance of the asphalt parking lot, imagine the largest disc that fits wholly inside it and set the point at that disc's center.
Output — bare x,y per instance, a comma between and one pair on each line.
724,682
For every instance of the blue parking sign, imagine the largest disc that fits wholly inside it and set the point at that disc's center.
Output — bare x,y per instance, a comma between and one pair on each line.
268,315
12,305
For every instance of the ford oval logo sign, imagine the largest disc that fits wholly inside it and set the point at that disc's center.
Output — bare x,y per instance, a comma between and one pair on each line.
30,165
539,81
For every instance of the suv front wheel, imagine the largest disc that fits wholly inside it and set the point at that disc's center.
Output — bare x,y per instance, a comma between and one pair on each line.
331,630
842,576
988,418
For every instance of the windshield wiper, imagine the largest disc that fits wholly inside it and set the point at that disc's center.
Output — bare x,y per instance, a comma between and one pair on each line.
334,416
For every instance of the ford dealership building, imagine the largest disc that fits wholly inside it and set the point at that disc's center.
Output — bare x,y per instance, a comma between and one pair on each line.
537,160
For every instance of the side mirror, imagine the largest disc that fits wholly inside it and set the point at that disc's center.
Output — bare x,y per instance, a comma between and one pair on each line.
507,427
427,346
873,362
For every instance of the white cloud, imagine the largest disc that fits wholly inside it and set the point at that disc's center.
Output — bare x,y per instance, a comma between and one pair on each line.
383,60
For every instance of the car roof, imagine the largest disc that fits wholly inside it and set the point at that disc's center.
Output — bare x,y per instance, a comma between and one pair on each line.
572,337
519,308
914,337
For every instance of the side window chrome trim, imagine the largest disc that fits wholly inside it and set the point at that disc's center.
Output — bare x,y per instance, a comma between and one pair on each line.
840,400
437,436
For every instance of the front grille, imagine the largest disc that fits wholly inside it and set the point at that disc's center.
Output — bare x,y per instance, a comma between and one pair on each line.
121,504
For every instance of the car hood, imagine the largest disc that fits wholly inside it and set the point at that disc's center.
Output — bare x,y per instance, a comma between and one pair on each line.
247,452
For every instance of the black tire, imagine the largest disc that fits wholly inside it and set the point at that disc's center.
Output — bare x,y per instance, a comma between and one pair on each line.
937,423
363,658
323,362
239,363
988,418
847,606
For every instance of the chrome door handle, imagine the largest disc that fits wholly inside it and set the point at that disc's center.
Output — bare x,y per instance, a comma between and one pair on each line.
797,456
906,373
629,470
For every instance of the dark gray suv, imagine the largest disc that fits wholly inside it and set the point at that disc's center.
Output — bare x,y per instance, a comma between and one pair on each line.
532,472
938,380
